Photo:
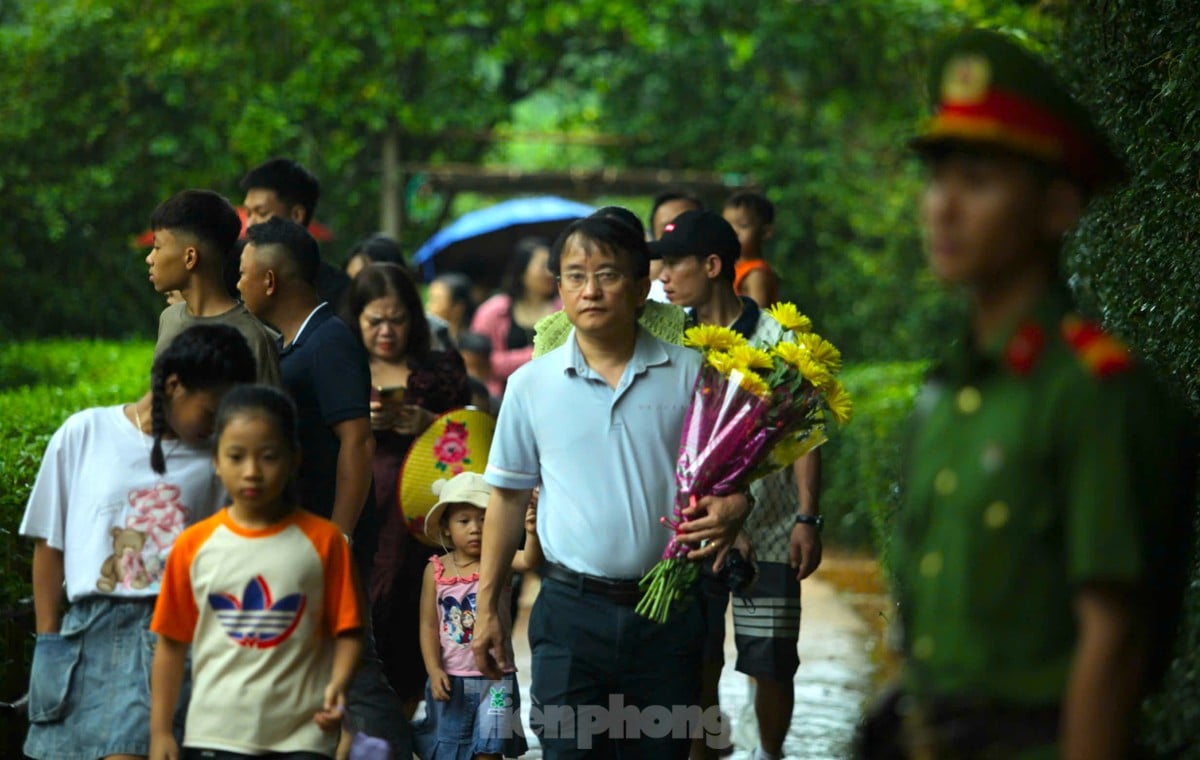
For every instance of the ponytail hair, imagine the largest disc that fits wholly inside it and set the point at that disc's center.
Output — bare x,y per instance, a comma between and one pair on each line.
203,357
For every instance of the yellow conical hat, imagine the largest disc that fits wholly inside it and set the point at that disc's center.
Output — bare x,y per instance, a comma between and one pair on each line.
458,441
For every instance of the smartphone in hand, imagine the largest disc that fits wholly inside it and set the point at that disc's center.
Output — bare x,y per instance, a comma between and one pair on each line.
394,394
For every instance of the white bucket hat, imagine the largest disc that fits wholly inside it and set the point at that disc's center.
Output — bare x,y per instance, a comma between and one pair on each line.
463,488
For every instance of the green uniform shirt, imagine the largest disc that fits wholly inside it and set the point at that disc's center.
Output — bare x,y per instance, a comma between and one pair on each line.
1043,462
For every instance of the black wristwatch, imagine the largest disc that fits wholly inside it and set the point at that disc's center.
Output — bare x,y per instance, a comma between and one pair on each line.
816,520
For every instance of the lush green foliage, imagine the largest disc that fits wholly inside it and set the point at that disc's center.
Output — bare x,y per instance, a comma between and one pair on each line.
861,462
107,108
41,384
1134,260
814,101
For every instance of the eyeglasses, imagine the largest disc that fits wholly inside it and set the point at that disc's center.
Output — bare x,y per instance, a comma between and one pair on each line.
606,279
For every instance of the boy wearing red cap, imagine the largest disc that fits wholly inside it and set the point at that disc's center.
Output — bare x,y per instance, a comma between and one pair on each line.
1041,552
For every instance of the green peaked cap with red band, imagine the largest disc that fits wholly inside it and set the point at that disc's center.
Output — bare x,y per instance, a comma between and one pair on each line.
991,91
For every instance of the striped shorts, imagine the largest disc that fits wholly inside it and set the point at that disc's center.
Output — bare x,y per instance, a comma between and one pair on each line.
766,623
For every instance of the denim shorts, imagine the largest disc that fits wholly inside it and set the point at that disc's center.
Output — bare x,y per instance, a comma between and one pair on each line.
89,684
482,717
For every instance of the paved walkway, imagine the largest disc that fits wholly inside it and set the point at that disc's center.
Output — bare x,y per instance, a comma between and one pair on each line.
833,681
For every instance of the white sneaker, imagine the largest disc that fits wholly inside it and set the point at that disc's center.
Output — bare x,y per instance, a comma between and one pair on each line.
745,730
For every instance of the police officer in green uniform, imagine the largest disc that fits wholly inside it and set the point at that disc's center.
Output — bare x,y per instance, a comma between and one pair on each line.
1041,551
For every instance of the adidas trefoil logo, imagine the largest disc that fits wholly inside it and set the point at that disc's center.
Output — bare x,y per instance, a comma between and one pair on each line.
256,620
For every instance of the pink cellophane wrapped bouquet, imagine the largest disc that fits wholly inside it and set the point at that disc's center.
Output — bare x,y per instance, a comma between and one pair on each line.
754,409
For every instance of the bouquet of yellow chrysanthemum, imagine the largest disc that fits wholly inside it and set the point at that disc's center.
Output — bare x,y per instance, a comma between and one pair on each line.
754,410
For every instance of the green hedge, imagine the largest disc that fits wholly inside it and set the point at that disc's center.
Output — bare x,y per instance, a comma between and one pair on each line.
1134,259
55,363
41,384
57,378
862,461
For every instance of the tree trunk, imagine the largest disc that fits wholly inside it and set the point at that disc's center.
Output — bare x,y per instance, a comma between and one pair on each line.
391,200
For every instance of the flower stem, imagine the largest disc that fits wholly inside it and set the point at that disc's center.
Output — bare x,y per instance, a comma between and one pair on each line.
665,584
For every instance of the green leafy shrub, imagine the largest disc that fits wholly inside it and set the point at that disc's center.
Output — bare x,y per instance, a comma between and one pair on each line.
70,376
1134,259
63,363
55,379
861,462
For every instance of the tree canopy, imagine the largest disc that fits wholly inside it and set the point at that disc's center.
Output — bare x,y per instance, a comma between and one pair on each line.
110,107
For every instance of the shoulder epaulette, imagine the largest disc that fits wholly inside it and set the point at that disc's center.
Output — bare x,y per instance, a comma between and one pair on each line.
1100,353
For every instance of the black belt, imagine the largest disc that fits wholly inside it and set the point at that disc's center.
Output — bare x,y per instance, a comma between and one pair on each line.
624,592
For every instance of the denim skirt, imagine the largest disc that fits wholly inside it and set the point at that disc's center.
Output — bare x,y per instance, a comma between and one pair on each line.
89,685
482,717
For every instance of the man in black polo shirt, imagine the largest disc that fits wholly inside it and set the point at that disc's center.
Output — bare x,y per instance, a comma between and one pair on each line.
324,367
322,364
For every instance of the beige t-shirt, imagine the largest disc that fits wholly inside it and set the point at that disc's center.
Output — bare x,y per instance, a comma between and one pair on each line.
261,609
176,318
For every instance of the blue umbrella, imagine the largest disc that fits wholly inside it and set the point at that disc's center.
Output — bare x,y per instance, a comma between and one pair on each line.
479,243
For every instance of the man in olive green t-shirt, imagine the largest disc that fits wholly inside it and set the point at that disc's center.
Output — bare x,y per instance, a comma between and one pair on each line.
177,318
194,232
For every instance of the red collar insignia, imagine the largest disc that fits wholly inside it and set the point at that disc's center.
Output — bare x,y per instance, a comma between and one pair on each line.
1024,348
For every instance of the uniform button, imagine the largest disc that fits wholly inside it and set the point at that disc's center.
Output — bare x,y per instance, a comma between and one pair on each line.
996,515
945,482
931,564
968,399
923,648
992,458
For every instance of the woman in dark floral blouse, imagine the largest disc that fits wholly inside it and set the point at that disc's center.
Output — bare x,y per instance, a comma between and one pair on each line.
412,385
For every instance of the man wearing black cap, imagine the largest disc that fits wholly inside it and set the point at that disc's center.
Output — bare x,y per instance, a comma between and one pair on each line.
699,250
1041,550
666,206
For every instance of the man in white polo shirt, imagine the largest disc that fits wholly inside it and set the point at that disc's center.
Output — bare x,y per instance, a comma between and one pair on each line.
596,423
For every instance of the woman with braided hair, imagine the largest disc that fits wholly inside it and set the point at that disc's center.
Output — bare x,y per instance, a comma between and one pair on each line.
116,487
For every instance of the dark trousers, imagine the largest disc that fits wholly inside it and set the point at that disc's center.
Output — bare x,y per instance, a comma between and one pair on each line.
373,706
608,683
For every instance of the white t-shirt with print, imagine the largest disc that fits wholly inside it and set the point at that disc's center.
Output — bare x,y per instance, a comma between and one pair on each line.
97,500
769,524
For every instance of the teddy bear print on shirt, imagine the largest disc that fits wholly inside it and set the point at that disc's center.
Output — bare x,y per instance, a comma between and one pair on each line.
124,567
157,513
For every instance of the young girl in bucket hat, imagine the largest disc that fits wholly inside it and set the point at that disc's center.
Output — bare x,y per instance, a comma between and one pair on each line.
467,714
